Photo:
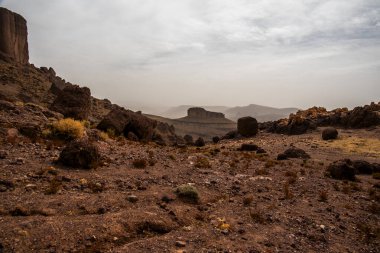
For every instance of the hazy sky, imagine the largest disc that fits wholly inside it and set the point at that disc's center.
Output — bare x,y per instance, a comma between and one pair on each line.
211,52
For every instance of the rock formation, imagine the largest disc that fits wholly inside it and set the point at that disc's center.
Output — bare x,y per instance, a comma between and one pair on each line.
200,113
306,120
73,102
13,37
247,126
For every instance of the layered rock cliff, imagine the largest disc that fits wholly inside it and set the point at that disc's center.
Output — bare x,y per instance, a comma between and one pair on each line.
13,37
200,113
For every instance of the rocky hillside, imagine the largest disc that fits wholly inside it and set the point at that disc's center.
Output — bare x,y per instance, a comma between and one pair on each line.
24,83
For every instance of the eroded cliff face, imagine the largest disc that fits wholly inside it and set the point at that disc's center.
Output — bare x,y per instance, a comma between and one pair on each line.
200,113
13,37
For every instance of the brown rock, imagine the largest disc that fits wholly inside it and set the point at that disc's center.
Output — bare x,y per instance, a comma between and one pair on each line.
247,126
342,170
200,142
13,37
73,102
80,154
329,133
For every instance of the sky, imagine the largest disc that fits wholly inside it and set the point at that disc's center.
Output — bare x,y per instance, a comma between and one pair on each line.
155,53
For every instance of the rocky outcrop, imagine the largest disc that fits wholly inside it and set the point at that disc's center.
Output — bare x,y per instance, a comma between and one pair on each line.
73,102
307,120
13,37
126,122
200,113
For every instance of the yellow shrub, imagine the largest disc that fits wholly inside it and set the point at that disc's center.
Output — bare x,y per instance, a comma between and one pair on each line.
68,129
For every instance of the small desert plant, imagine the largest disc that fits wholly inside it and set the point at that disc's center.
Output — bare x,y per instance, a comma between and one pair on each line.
248,199
67,129
287,192
261,172
257,215
323,196
376,175
270,163
111,133
103,136
171,157
187,193
292,176
139,163
54,186
202,162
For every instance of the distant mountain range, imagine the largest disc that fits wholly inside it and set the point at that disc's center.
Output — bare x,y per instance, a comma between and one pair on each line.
261,113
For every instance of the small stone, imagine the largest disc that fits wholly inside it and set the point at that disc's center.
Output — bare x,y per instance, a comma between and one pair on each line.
3,154
132,198
180,244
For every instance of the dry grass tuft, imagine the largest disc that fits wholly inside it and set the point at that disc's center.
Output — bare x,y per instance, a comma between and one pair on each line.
67,129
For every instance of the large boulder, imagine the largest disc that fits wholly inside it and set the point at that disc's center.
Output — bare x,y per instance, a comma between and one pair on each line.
342,170
247,126
80,154
13,37
329,133
73,102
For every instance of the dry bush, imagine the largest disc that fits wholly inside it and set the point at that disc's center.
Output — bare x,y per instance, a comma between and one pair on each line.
270,163
187,193
248,199
54,186
67,129
257,215
323,196
261,172
202,162
376,175
287,192
103,136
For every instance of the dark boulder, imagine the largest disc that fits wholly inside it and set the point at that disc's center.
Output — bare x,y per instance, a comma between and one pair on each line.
215,139
188,139
73,102
247,126
329,133
248,147
261,151
364,167
293,153
80,154
342,170
31,130
200,142
231,135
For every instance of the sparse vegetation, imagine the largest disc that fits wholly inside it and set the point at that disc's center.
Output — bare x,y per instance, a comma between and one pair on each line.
54,186
67,129
248,199
202,162
376,176
323,196
187,193
287,192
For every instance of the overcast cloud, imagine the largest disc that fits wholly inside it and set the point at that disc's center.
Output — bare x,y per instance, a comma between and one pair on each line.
211,52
